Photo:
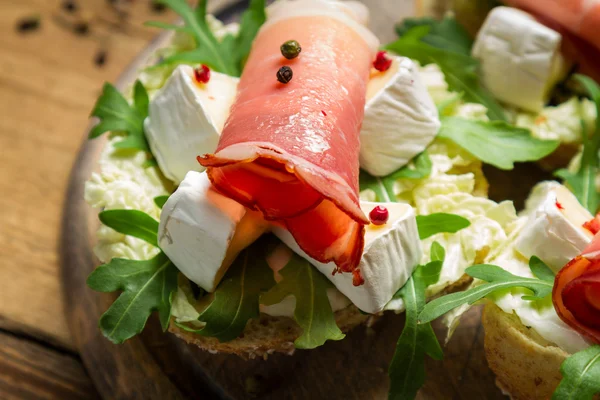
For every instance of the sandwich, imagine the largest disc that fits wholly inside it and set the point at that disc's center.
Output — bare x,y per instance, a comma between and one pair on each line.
267,186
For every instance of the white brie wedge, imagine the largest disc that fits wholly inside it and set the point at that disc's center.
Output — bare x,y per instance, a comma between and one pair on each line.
392,251
400,121
520,58
186,119
202,231
554,231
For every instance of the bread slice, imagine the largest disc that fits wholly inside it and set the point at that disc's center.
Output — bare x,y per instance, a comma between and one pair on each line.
527,366
267,334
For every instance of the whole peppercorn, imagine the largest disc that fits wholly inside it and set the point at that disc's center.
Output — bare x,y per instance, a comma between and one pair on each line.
382,63
28,24
285,74
69,6
290,49
379,215
202,74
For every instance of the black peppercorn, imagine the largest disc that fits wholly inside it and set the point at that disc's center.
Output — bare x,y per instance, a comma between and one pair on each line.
100,58
290,49
285,74
28,24
81,28
69,6
158,7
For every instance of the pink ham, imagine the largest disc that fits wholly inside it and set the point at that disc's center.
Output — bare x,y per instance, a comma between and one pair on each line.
291,150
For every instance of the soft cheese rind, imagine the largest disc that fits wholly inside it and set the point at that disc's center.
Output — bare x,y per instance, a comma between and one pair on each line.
401,119
554,231
186,119
202,231
391,253
520,58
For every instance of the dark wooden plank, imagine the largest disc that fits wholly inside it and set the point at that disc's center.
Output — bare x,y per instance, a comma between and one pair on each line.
158,365
30,370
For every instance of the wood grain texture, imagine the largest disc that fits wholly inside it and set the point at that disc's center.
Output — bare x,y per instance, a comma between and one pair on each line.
30,370
156,365
48,84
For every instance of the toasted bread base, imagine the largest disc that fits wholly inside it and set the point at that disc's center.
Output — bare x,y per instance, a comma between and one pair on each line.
266,335
269,335
527,366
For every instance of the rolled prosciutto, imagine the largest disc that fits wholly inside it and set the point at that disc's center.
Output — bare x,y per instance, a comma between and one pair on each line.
291,149
576,293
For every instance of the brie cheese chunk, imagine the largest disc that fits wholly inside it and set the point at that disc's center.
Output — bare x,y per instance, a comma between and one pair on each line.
186,118
400,121
279,259
520,58
554,232
202,231
391,253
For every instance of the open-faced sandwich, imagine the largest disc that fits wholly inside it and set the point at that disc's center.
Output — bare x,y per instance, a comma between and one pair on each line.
269,185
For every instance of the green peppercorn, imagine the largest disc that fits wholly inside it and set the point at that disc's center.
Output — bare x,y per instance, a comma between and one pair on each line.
290,49
285,74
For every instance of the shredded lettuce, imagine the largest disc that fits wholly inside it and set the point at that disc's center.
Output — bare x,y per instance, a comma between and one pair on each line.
562,122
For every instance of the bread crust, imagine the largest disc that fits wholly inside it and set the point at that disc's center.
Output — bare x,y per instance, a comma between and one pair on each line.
266,335
527,366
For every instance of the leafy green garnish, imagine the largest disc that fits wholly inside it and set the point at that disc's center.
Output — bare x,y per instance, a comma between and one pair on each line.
131,222
227,56
583,182
313,311
116,115
460,70
407,369
160,201
236,300
497,279
540,270
495,142
446,34
147,286
419,168
432,224
581,376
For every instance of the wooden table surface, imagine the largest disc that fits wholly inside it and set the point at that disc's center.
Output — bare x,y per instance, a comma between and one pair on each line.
49,81
48,84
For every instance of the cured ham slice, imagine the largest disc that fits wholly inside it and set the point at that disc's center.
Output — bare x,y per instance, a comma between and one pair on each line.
576,293
291,150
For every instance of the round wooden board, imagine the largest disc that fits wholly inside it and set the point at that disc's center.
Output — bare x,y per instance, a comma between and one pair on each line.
159,366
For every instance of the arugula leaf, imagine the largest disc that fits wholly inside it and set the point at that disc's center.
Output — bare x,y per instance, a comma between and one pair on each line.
431,224
313,311
583,182
147,286
497,279
150,163
541,270
235,301
438,253
160,201
227,56
446,34
117,115
419,168
407,369
495,142
133,223
581,375
460,70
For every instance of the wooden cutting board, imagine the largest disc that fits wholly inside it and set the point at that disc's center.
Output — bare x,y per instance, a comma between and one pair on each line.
159,366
